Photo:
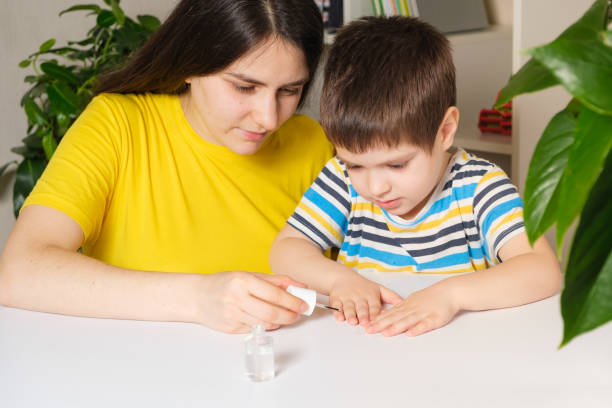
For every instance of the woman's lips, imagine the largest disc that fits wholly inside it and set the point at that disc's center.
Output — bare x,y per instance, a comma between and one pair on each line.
253,136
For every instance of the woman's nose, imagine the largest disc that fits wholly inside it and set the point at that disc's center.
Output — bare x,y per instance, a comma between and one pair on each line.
265,113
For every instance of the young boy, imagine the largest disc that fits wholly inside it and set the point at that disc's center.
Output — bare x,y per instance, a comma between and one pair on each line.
399,197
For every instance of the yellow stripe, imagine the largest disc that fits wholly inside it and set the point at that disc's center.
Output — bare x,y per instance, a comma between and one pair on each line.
491,175
507,219
367,207
322,221
337,166
435,223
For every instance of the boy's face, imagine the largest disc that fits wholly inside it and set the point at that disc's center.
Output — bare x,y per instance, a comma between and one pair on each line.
399,179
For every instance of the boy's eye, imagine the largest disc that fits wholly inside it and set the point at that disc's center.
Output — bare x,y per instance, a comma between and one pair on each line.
353,167
398,165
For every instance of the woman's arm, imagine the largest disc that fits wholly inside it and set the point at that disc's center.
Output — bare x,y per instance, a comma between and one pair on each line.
359,299
40,269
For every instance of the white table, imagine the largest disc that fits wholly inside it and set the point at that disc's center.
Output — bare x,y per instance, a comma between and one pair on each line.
501,358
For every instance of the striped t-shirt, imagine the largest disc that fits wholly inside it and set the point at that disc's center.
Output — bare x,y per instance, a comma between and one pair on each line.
473,212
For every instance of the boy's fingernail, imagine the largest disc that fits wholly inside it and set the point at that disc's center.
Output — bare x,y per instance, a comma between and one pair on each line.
303,307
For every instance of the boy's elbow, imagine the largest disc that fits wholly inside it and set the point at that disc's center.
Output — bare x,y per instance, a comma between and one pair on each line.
554,277
5,285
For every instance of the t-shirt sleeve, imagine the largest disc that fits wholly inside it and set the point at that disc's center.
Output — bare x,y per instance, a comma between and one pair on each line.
498,210
79,178
322,214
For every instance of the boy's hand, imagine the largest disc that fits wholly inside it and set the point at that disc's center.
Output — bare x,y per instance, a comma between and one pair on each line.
425,310
359,299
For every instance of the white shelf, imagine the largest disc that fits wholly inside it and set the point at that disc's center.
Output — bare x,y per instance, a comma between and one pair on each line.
484,142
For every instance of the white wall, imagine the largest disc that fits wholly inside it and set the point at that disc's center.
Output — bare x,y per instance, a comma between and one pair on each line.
24,25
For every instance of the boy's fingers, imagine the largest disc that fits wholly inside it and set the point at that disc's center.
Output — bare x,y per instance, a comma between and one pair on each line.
423,326
389,296
349,312
375,308
363,312
401,325
339,316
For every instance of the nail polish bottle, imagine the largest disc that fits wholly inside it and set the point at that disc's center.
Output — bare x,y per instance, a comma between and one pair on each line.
259,355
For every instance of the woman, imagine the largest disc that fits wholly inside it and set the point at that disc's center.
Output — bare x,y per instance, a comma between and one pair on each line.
189,160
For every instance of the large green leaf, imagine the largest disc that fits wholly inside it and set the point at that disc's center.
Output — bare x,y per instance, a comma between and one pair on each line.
545,171
93,7
59,72
586,301
532,77
592,143
28,173
581,61
63,99
35,115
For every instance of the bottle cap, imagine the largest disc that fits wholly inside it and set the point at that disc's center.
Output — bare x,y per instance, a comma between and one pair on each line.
307,295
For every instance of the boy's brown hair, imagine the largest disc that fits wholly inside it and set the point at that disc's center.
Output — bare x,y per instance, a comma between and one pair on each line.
387,81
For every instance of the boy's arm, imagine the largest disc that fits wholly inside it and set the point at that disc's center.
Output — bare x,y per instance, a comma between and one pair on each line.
526,274
359,299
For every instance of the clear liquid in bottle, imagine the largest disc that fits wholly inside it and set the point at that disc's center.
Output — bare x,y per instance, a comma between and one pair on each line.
259,355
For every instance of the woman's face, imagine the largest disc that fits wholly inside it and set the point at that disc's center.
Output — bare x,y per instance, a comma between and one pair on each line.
240,106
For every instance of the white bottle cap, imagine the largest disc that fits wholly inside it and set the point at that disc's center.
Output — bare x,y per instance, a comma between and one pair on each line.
307,295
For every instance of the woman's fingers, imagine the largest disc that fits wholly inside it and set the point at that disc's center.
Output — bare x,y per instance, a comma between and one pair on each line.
282,281
268,311
266,290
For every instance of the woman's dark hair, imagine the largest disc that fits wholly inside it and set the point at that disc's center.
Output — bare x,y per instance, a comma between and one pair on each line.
387,81
202,37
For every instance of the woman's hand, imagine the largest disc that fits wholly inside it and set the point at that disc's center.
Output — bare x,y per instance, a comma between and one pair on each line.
235,301
359,299
425,310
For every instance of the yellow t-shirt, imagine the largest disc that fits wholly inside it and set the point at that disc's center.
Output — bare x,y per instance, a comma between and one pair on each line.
151,194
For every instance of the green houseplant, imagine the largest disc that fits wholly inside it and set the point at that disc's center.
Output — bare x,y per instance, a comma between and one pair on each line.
63,83
570,173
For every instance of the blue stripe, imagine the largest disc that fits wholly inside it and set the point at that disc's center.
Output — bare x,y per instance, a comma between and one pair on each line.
498,211
378,255
328,208
505,233
339,198
460,259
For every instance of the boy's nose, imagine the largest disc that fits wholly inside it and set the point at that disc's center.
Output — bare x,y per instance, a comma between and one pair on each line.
378,185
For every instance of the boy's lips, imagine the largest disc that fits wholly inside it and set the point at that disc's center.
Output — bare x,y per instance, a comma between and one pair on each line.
389,205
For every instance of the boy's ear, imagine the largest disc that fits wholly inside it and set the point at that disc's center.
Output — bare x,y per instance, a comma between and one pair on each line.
448,127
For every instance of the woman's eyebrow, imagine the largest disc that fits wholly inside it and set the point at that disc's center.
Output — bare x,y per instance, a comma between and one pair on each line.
256,82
